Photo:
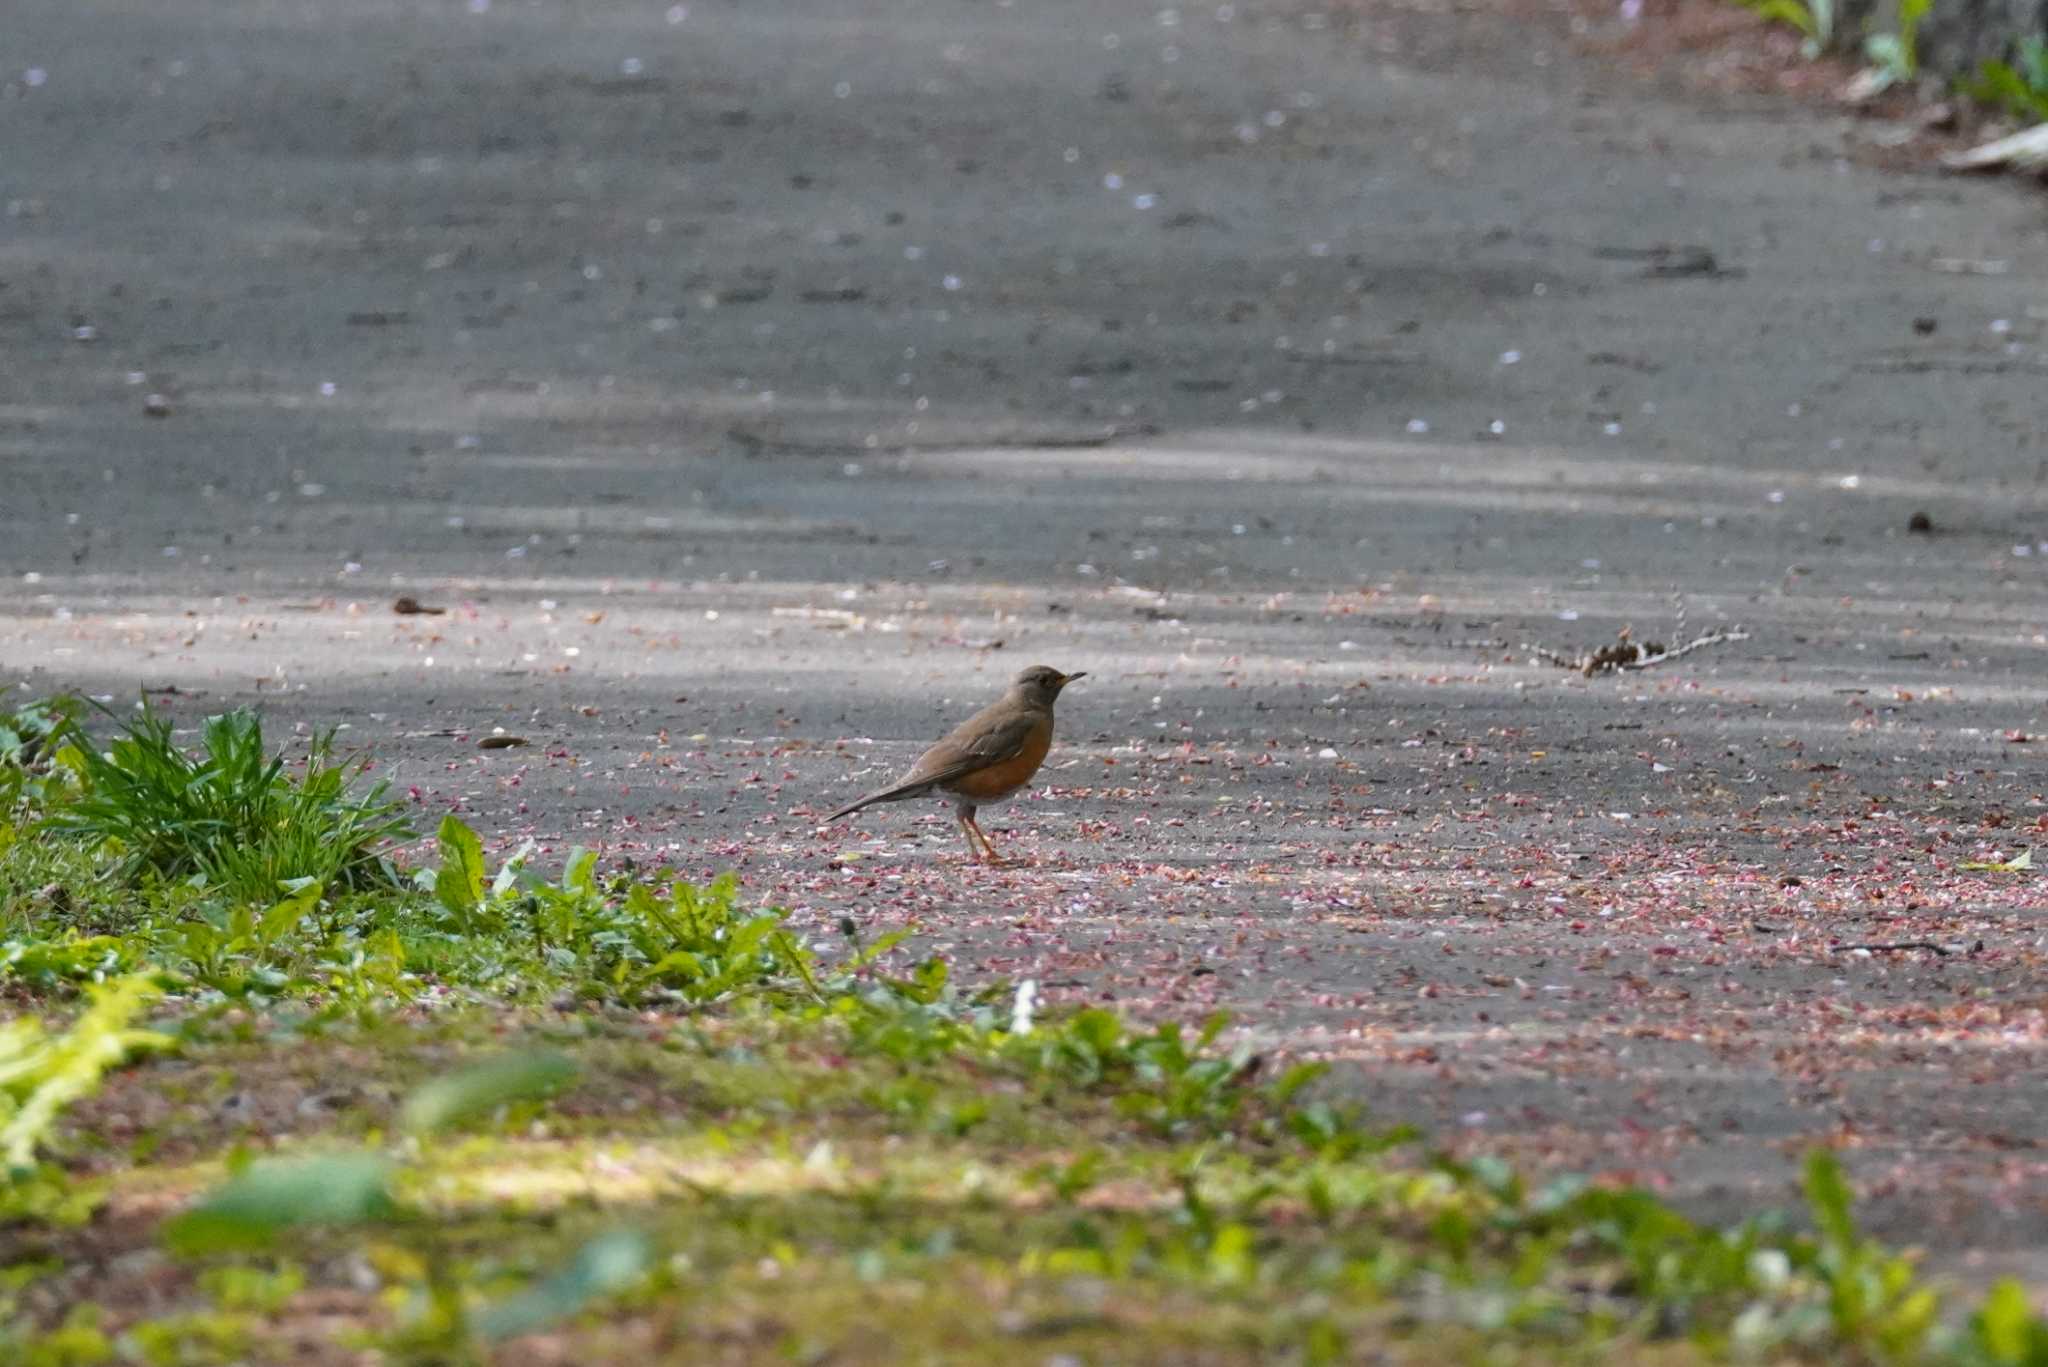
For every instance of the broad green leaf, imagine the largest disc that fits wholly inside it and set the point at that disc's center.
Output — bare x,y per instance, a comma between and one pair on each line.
2033,68
2012,91
1294,1079
460,883
876,948
579,874
285,916
509,871
1791,12
72,958
1231,1257
1828,1196
516,1077
268,1197
605,1266
676,961
2005,1324
1889,56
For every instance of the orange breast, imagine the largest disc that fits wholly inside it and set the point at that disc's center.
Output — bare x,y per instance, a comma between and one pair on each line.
1006,777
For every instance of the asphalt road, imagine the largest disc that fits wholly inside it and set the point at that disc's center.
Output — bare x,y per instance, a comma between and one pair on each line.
758,386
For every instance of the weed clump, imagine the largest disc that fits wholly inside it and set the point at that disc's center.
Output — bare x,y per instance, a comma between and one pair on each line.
233,816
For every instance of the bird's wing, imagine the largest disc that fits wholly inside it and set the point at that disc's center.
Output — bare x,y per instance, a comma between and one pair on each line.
988,737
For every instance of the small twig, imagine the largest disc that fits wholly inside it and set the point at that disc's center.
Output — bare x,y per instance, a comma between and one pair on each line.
1712,638
1626,654
1549,656
1942,950
2027,151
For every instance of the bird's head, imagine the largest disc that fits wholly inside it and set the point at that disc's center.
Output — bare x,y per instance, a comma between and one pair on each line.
1042,683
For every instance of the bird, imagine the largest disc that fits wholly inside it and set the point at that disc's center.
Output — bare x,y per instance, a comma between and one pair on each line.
986,758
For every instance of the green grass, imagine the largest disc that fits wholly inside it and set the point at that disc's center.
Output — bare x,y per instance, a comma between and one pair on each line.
1813,19
2018,88
28,732
749,1178
41,1074
1895,55
232,817
487,1115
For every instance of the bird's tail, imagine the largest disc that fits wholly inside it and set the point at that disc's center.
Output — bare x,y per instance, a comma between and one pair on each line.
895,794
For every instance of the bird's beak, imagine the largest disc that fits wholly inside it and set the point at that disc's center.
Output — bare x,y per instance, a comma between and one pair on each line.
1066,679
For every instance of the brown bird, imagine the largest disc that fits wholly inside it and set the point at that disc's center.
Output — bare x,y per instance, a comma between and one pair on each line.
987,758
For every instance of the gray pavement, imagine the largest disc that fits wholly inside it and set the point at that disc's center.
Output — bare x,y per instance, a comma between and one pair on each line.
758,386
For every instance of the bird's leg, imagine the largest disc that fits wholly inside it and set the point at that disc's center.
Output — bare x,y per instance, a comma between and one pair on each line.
977,843
967,830
994,859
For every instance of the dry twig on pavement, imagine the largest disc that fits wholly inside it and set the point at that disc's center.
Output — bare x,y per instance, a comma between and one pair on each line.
1629,654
